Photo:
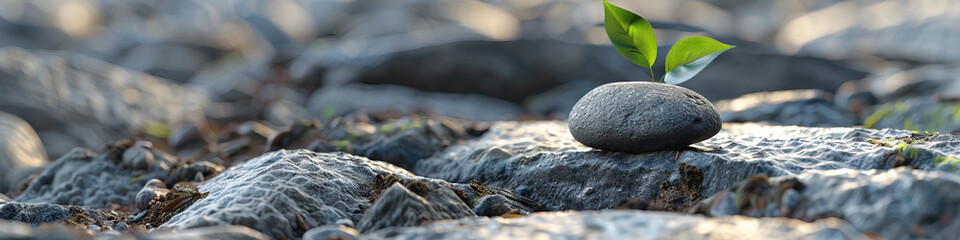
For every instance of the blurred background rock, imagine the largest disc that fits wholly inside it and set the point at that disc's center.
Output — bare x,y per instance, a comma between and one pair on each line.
88,72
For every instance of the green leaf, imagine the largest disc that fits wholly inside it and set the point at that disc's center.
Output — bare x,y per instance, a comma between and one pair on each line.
690,55
630,34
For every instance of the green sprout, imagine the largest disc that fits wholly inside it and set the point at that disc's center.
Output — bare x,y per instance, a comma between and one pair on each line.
633,37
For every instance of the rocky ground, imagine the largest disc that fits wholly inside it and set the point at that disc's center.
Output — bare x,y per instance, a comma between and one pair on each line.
248,119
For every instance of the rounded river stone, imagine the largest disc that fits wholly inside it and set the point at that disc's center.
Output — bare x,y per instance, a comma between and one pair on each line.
637,117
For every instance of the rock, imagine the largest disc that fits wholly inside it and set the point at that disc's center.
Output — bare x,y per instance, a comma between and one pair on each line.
542,161
412,205
401,142
329,102
190,172
639,117
150,191
896,82
490,206
557,102
20,147
619,224
138,158
282,113
33,213
791,107
21,230
900,203
211,232
331,232
74,100
285,193
4,198
916,114
84,178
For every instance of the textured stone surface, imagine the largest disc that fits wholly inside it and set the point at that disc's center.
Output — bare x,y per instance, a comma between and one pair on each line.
792,107
270,193
20,147
540,160
642,117
84,178
33,213
612,224
900,203
74,100
490,206
329,102
401,142
917,114
400,206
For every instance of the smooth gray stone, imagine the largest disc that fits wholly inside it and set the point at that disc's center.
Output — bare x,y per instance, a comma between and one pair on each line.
637,117
624,224
490,206
332,232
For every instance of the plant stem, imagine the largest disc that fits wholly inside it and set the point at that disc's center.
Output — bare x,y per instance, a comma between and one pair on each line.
652,78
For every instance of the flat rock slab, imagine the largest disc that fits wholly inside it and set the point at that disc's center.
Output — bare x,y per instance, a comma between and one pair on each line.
285,193
897,204
617,224
542,161
808,107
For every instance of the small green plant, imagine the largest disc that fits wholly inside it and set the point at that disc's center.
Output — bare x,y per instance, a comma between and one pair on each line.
633,37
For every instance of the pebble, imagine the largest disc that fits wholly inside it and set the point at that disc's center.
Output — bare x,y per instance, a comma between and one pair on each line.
637,117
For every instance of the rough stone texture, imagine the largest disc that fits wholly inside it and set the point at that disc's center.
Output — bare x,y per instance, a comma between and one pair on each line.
917,114
403,207
84,178
150,191
792,107
73,100
639,117
900,203
33,213
401,142
329,102
614,224
540,160
271,192
19,147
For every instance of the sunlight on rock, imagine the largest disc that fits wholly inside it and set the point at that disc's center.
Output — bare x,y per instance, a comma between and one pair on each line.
760,98
293,19
817,24
487,19
77,18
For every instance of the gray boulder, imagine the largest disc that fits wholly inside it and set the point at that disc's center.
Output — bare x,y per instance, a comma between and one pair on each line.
790,107
74,100
617,224
330,102
900,203
34,213
285,193
542,161
420,202
20,147
636,117
85,178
